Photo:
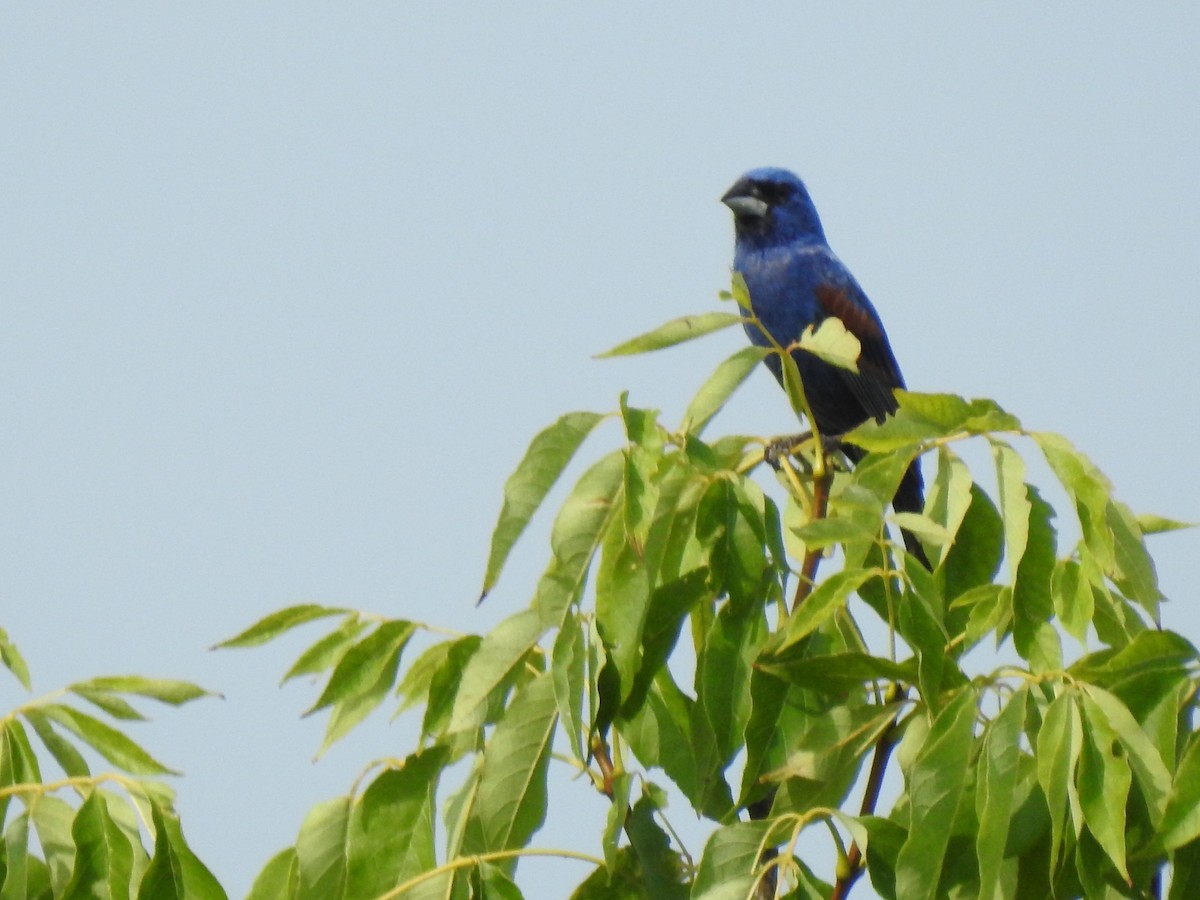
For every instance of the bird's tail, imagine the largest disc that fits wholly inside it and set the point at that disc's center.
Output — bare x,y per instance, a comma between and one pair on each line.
910,497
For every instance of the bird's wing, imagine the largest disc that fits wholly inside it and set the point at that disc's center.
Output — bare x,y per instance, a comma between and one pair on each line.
878,373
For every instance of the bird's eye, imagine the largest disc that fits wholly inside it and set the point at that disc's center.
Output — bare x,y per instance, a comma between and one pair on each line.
773,192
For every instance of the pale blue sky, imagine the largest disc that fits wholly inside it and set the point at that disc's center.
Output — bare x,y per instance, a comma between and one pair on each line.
287,288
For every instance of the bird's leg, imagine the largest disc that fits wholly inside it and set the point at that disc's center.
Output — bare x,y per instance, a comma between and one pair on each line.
785,446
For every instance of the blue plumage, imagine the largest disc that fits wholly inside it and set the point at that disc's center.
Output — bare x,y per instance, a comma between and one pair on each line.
795,280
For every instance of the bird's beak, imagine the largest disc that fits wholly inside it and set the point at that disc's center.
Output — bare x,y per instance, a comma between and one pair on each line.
743,203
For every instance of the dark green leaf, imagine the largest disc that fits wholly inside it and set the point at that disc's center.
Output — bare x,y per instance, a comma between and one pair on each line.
103,855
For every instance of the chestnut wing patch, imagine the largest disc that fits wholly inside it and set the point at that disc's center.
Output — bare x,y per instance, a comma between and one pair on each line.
878,374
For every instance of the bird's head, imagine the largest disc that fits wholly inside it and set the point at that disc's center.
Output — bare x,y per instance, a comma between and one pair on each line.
772,207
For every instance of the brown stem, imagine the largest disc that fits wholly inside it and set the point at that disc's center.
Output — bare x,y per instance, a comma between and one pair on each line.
812,557
883,752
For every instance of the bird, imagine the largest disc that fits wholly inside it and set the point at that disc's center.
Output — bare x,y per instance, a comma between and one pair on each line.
794,281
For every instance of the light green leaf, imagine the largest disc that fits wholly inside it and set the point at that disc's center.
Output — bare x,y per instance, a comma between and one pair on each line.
327,650
11,657
103,855
935,782
829,596
994,791
1074,603
1181,820
1104,781
727,868
579,529
544,461
511,802
502,650
1014,502
278,879
1149,523
832,343
719,387
1148,766
165,690
1059,745
390,833
113,745
568,657
676,331
321,850
275,624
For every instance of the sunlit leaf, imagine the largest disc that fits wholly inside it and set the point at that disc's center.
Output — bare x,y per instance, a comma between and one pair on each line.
685,328
548,454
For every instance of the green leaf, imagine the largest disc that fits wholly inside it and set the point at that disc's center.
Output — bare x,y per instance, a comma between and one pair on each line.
837,672
727,868
1088,488
1144,759
12,659
321,850
974,557
165,690
995,790
579,529
676,331
444,685
327,650
1014,502
567,668
278,879
390,834
1104,781
63,751
1074,603
1033,636
830,596
113,745
163,880
362,678
1181,820
935,782
719,387
103,855
272,626
833,343
526,488
52,819
1149,523
502,650
622,602
511,802
661,867
414,686
1135,574
1059,746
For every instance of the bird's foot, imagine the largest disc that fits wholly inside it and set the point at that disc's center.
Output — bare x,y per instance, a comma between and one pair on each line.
783,447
